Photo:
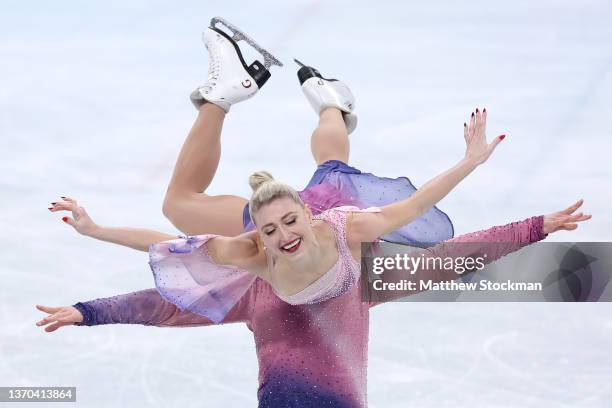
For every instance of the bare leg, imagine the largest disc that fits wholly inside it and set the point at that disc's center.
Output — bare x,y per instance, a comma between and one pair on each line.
186,205
330,140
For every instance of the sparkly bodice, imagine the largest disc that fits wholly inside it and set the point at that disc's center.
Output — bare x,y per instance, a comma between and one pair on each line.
343,274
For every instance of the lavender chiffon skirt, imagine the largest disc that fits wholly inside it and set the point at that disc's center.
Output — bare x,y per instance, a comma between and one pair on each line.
186,275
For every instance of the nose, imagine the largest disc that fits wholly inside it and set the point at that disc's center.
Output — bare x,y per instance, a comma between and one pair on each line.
284,234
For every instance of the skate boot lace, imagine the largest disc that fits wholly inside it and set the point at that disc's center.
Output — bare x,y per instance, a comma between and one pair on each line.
214,69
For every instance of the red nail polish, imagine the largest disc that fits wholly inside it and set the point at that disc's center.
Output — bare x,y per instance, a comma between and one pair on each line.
484,110
53,203
50,208
502,137
472,114
476,110
64,219
464,124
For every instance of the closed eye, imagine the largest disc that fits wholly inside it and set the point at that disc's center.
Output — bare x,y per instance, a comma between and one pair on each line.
269,232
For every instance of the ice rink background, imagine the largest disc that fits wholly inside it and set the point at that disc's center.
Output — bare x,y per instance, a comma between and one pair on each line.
94,104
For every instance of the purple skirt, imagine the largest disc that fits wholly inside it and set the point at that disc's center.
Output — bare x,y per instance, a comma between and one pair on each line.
335,184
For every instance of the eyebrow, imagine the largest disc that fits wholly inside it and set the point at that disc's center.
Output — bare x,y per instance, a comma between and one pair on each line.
283,217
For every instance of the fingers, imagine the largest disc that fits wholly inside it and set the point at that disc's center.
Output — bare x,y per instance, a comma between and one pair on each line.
68,204
495,142
472,125
477,125
578,217
67,207
573,207
70,221
569,222
484,119
53,327
479,129
48,309
60,317
51,318
64,206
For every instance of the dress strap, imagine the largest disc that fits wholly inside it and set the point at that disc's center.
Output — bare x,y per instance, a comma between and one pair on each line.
337,218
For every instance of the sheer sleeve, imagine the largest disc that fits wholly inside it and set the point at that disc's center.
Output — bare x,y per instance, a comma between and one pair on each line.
147,307
507,238
186,276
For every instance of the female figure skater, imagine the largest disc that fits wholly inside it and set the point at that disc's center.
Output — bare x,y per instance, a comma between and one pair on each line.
311,353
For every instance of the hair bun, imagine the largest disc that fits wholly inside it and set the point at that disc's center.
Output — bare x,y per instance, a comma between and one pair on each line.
258,178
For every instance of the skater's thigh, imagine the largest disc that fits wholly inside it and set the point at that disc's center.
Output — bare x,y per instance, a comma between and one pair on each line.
204,214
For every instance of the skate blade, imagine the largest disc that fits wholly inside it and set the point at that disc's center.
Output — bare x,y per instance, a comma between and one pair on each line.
306,72
269,59
301,64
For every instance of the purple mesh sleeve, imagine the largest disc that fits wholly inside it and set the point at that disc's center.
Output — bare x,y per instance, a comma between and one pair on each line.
507,238
148,308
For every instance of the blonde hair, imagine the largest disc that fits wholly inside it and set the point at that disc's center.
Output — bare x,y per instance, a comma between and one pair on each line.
266,190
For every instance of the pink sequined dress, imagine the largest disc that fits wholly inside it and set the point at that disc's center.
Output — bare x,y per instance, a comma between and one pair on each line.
312,348
311,354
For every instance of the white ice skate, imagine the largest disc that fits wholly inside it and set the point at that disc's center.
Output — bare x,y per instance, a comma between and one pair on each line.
325,93
230,80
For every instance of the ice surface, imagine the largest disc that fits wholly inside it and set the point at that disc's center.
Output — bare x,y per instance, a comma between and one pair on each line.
94,103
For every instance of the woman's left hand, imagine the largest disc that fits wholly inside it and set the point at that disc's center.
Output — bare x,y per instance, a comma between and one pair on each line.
564,220
59,317
475,135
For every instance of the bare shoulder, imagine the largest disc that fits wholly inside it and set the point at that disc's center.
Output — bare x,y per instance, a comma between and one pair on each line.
360,227
244,251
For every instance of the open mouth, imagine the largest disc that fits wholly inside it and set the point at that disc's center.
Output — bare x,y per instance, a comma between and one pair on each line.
293,246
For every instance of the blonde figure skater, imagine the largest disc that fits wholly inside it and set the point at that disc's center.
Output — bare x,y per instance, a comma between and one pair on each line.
286,262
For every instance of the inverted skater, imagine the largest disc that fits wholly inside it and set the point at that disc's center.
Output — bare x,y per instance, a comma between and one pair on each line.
270,264
212,283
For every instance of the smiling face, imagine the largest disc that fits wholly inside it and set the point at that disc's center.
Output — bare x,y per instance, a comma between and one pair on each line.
285,228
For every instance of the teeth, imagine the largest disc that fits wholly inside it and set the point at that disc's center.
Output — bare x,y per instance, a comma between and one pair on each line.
291,245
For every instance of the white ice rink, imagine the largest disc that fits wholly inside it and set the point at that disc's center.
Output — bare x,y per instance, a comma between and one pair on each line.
94,104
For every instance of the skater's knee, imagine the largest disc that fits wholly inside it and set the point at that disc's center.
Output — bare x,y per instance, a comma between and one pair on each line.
330,152
172,206
168,207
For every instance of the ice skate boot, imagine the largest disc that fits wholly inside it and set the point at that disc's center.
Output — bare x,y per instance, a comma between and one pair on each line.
325,93
230,79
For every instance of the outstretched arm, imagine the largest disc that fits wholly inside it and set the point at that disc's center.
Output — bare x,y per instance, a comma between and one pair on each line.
367,227
144,307
495,242
242,251
136,238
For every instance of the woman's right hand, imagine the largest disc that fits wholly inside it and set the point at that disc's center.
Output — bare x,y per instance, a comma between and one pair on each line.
80,220
477,149
59,317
